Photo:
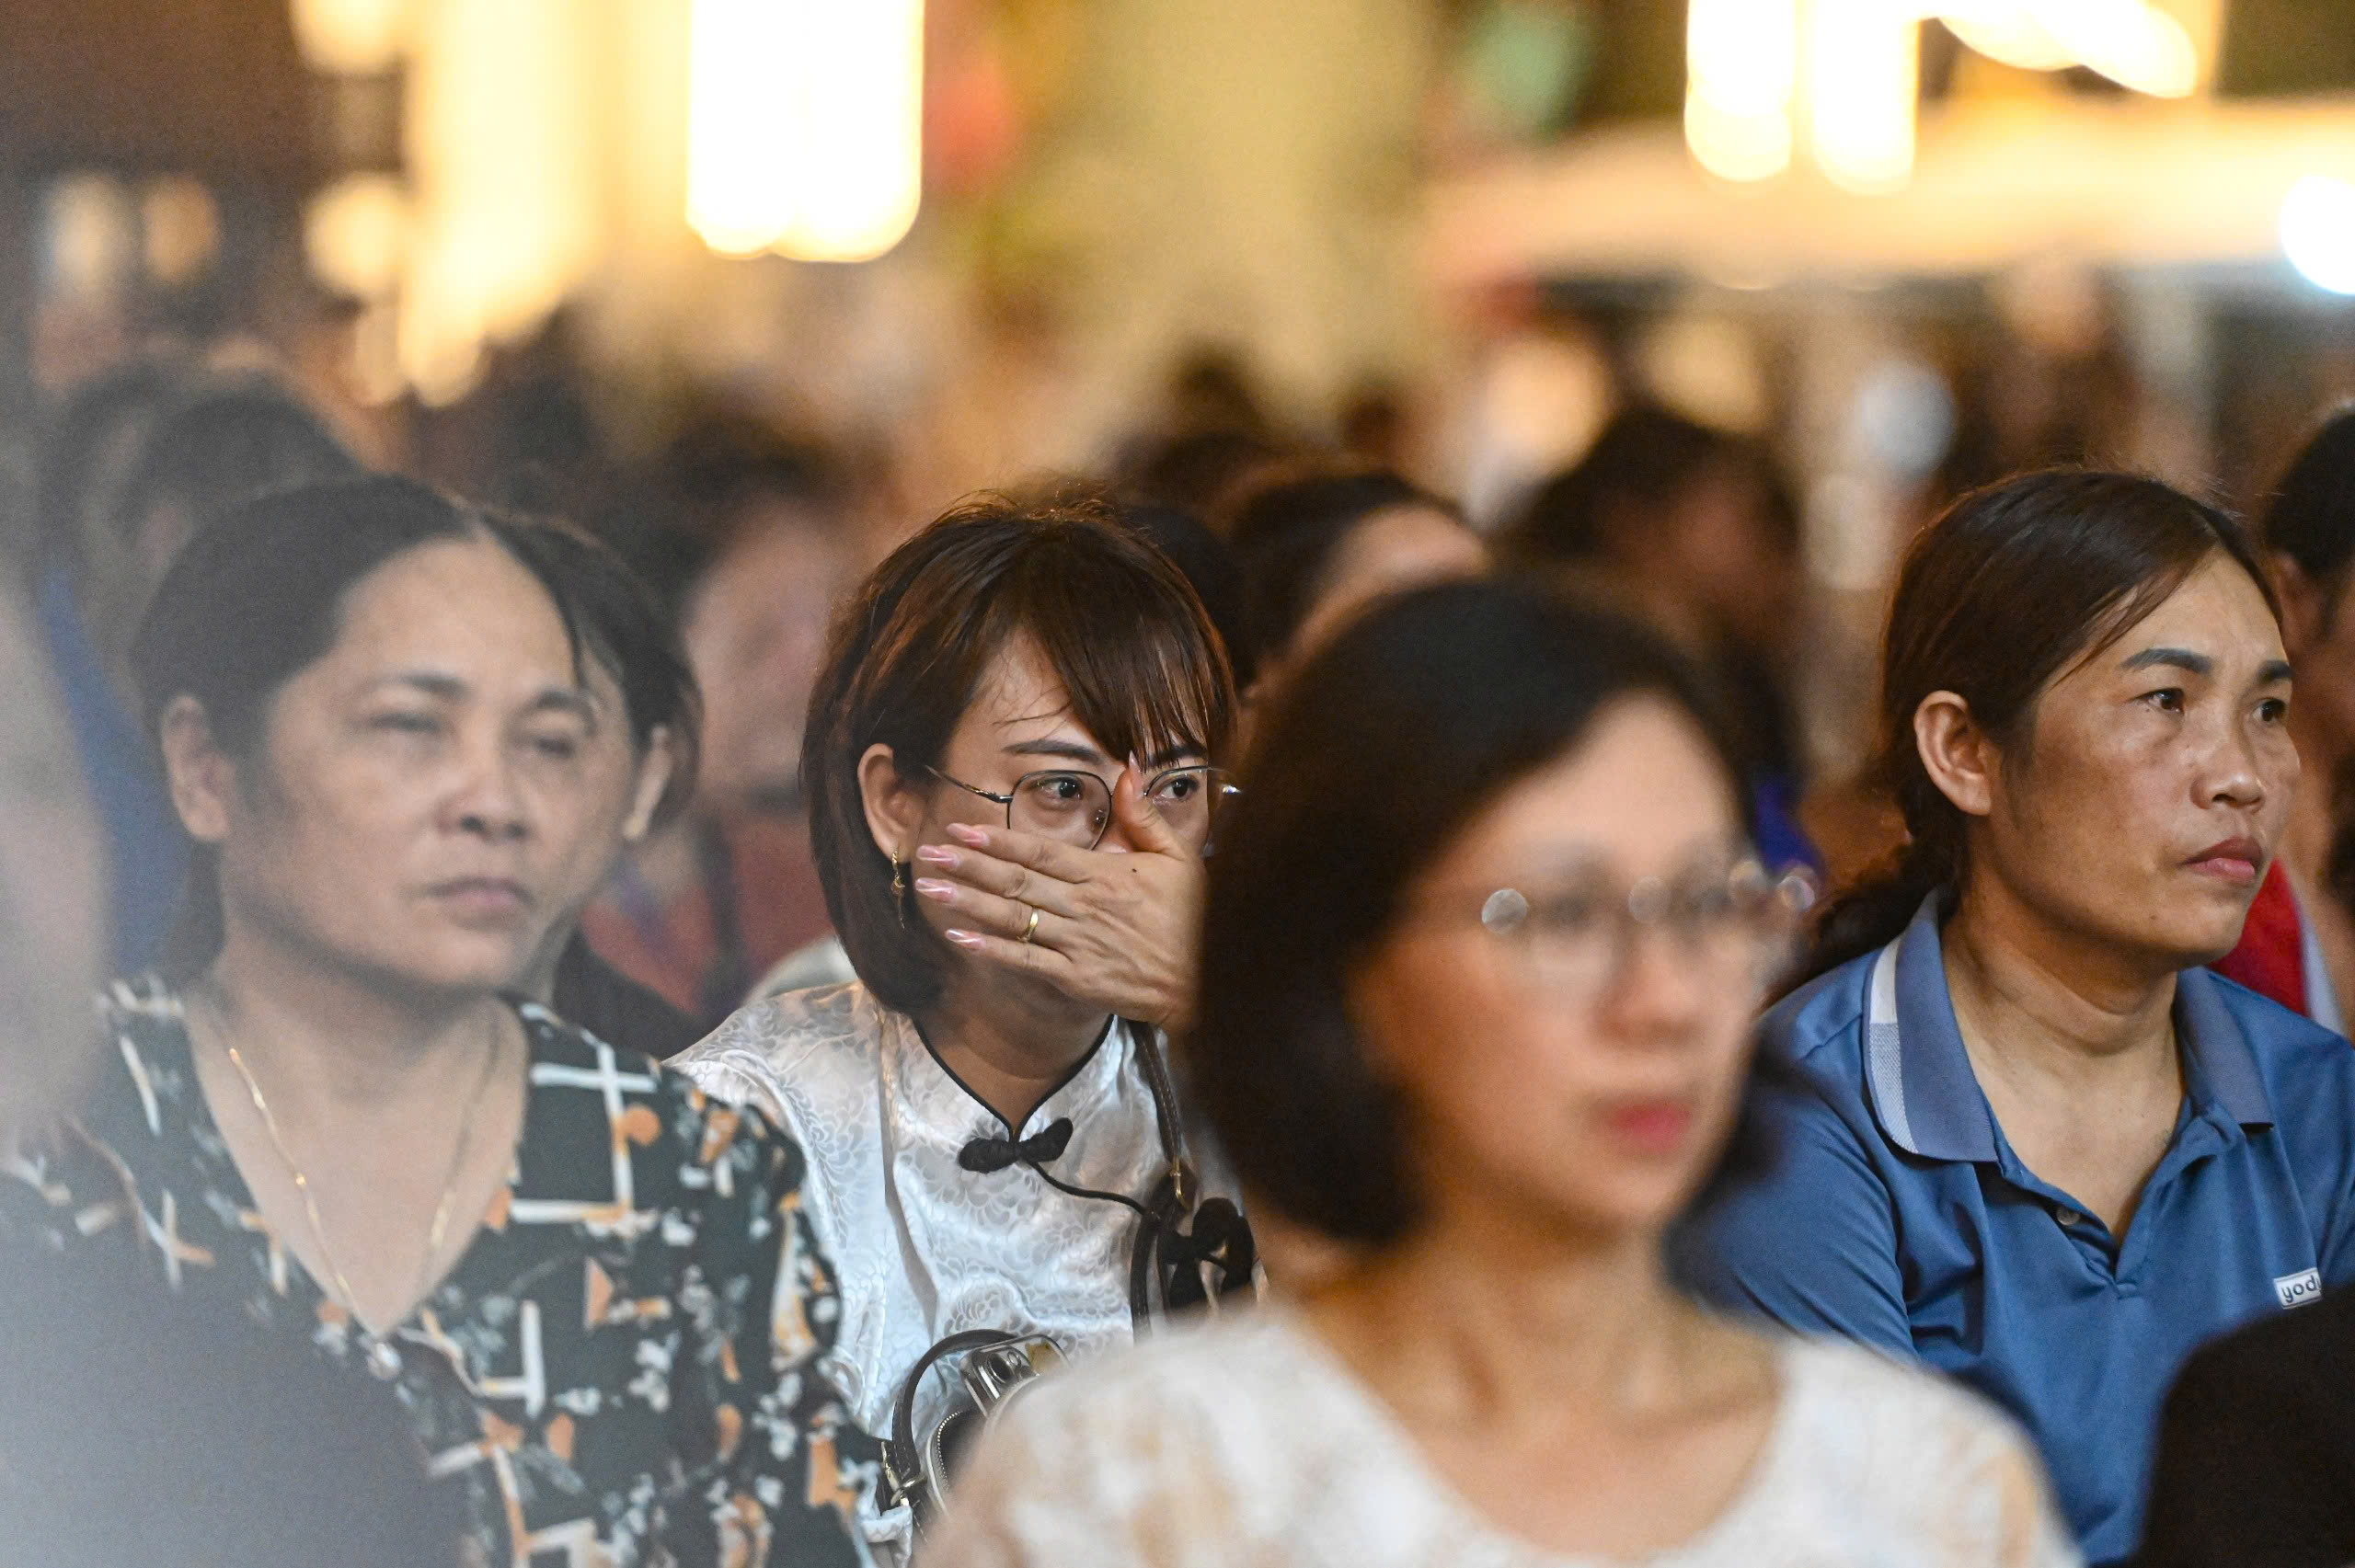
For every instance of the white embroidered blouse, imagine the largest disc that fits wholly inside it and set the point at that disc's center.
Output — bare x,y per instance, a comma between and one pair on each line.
1248,1444
924,1247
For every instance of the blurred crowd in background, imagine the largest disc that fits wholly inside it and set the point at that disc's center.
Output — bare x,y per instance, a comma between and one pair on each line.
1492,247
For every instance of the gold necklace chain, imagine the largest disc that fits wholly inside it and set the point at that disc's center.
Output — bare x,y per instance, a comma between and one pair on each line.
383,1360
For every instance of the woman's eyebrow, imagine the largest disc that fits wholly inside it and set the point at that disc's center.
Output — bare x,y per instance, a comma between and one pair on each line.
1070,751
2190,663
567,700
430,683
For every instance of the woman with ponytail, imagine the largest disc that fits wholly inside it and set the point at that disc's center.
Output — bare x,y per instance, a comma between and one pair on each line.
2028,1140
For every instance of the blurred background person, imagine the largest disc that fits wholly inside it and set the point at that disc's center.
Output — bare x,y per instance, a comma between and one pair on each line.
133,465
596,1305
1011,790
1316,549
1209,565
2030,1142
2299,944
752,557
638,762
1481,951
1212,436
1696,530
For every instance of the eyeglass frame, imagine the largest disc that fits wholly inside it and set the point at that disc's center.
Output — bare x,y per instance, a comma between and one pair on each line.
1219,778
1646,906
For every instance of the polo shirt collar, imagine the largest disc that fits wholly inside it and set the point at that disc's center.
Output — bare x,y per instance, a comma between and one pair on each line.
1918,1074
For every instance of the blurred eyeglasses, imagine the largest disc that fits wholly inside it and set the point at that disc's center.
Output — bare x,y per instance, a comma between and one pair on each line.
1075,808
1733,927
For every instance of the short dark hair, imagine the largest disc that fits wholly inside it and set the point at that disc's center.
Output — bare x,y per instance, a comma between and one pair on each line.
1457,692
2310,517
1211,570
151,432
703,487
2006,588
1286,534
625,631
259,597
1112,618
1639,464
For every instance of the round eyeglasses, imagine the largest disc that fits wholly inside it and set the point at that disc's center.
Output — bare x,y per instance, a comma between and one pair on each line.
1075,808
1733,927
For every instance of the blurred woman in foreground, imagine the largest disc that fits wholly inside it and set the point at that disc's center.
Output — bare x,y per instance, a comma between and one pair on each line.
1480,1005
638,763
136,1430
589,1290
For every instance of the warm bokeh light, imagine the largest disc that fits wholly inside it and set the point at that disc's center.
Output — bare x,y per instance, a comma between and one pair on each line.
1732,146
2133,42
2010,31
1742,65
349,37
2318,231
500,143
805,130
738,124
2130,41
1847,72
181,226
356,236
1863,60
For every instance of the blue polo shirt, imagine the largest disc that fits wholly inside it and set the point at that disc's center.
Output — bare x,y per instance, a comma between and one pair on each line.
1896,1214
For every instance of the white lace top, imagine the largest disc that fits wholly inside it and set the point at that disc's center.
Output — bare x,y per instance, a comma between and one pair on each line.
925,1248
1248,1444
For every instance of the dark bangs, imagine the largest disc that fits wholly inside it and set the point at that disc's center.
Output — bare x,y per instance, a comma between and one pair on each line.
1114,621
1145,676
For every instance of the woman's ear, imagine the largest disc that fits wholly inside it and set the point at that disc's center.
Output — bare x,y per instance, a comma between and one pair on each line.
654,774
894,807
204,778
1956,753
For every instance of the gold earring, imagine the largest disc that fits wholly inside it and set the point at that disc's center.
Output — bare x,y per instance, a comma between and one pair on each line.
899,890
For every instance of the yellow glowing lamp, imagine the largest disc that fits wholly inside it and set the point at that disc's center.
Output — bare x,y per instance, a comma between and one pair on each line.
1742,67
1863,60
2007,31
356,235
2131,42
349,37
805,126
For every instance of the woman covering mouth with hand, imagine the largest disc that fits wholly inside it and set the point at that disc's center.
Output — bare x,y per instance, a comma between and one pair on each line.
2030,1142
1010,772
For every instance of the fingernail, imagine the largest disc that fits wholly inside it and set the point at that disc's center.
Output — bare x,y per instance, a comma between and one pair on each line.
936,855
931,889
966,834
962,938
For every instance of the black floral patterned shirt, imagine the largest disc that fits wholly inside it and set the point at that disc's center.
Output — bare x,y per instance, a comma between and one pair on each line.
619,1368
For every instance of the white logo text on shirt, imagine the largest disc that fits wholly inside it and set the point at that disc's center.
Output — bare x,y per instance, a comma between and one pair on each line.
2299,1290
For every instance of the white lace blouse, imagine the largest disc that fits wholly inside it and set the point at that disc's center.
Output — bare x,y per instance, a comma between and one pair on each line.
1248,1444
924,1247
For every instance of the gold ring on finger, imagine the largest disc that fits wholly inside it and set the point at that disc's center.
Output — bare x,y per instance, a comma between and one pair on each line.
1030,928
